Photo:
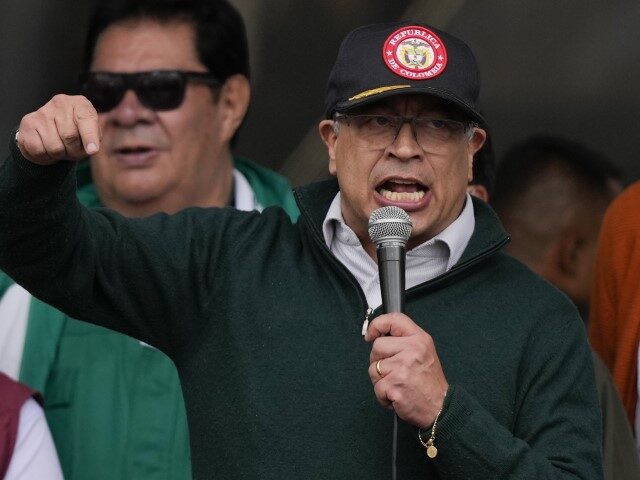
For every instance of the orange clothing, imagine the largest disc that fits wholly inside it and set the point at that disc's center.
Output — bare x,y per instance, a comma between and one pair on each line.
614,322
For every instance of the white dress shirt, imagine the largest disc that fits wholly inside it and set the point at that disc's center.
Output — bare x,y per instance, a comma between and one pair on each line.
424,262
244,198
14,315
34,455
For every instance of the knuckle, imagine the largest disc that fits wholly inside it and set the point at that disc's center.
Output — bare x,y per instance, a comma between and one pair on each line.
395,394
419,352
402,373
86,112
27,122
56,151
59,99
427,342
69,136
40,117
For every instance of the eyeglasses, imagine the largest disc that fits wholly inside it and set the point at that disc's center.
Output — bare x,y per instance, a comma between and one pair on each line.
380,131
156,89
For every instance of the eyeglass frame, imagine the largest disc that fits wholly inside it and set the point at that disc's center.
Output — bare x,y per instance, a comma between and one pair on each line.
131,81
467,127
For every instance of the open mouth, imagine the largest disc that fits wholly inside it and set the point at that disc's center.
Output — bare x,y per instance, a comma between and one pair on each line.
133,150
136,156
402,190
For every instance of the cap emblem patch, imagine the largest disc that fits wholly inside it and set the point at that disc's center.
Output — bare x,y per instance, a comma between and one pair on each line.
415,53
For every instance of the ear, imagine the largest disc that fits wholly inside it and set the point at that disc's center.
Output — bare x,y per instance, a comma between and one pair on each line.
475,144
233,101
478,191
564,267
569,253
329,137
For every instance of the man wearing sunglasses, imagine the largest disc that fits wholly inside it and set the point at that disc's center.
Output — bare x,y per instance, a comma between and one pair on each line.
488,372
169,81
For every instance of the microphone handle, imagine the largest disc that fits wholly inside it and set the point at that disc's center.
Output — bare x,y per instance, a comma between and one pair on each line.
391,266
391,270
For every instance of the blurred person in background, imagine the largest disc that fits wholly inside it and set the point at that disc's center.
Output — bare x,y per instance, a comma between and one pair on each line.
551,194
614,327
26,447
170,81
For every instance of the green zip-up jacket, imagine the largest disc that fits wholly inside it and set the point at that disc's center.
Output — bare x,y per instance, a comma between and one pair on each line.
268,344
114,405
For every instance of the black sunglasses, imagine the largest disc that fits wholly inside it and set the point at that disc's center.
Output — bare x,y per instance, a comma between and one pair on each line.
156,89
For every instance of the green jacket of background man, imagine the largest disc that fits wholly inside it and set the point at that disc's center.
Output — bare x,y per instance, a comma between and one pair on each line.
113,403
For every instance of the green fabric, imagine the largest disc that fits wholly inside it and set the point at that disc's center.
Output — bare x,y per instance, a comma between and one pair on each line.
264,325
269,188
5,283
110,401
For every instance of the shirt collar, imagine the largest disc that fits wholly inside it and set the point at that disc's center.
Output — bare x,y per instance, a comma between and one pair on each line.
244,198
455,237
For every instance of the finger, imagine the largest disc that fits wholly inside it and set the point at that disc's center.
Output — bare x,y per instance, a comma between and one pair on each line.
86,119
380,369
29,141
31,146
51,141
385,347
380,391
395,324
375,372
70,136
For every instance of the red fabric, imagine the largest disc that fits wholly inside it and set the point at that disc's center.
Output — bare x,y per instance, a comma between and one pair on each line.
614,320
12,397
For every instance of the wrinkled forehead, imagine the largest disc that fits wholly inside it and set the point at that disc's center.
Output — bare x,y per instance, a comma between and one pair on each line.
416,104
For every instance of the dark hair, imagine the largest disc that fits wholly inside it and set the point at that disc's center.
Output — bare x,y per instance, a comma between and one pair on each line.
527,161
484,168
221,39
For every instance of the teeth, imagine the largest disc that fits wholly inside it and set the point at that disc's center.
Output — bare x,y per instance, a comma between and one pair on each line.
402,196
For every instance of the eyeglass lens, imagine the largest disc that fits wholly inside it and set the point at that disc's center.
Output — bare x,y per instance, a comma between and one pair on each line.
380,131
158,90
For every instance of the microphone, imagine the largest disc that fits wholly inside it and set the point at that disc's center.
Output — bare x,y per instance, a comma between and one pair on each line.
389,229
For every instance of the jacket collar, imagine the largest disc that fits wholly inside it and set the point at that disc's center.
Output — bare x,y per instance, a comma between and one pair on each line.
489,234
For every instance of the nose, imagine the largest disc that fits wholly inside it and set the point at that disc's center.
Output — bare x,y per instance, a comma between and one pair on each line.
130,111
405,146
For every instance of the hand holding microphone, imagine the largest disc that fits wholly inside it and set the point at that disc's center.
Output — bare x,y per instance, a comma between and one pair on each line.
404,366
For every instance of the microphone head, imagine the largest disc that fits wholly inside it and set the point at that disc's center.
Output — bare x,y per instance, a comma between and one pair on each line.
389,225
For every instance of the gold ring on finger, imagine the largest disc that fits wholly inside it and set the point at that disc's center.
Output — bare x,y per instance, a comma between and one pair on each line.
378,368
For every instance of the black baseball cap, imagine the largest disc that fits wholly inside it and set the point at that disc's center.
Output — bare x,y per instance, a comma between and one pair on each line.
382,60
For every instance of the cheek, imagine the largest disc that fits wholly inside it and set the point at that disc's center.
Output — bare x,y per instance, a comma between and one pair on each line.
190,131
353,173
450,182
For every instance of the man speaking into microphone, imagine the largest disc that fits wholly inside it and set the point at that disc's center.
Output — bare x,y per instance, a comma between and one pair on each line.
488,369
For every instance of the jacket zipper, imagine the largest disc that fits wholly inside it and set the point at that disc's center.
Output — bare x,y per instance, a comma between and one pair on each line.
368,312
367,317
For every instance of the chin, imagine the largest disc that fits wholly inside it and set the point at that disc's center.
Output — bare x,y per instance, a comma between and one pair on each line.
137,192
